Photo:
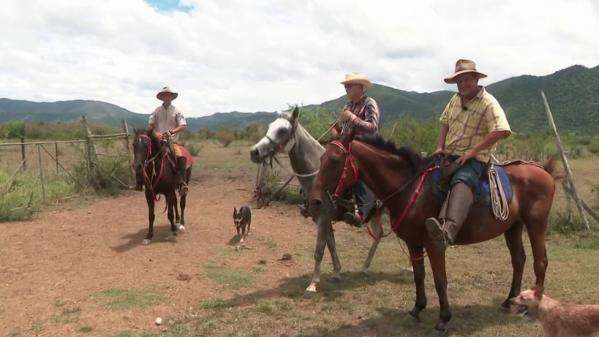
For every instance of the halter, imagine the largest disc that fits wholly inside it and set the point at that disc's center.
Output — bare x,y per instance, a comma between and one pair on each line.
287,147
350,164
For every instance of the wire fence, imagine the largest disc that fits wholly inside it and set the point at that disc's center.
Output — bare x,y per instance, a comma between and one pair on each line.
36,173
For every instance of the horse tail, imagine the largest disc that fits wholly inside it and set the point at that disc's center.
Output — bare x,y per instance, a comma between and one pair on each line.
550,167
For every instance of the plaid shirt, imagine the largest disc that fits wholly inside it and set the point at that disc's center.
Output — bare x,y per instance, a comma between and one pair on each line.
469,123
367,112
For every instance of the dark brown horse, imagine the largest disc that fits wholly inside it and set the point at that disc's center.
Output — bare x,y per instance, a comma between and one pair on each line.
394,175
155,170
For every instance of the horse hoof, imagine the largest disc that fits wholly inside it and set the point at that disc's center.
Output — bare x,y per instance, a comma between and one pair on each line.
182,228
145,242
414,316
309,294
438,333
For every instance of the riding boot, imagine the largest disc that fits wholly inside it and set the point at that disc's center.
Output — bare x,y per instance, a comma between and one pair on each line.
182,168
445,232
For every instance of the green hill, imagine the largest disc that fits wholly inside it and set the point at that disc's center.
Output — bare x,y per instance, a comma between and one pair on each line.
572,92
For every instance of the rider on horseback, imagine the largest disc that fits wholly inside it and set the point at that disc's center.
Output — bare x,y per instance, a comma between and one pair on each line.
471,125
360,116
167,122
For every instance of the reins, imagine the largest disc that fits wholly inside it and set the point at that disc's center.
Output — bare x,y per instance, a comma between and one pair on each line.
152,181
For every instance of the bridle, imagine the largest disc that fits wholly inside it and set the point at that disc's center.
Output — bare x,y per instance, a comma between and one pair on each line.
151,180
345,181
286,147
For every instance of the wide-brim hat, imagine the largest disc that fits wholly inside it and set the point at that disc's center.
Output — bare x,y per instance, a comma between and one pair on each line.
166,90
463,66
355,78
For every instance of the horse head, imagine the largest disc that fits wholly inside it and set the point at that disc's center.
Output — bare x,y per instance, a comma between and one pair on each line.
337,173
143,148
280,137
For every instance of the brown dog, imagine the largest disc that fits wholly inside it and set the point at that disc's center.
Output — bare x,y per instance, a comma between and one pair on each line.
558,320
243,221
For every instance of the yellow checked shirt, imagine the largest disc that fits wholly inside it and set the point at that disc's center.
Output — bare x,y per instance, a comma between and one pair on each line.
470,123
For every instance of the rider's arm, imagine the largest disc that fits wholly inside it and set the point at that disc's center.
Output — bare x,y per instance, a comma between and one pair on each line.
370,123
442,137
491,139
182,124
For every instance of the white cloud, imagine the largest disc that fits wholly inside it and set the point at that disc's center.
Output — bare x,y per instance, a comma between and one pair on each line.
260,55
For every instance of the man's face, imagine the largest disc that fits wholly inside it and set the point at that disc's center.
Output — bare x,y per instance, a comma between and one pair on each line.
166,98
467,84
354,91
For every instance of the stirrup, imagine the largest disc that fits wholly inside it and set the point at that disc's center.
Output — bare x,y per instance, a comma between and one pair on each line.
436,232
353,219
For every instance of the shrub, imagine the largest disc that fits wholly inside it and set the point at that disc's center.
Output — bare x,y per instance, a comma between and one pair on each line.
225,137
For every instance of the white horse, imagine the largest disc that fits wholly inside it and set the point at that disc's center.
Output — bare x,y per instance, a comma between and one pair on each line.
286,135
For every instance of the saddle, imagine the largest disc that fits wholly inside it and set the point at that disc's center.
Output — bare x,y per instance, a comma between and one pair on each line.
482,190
175,151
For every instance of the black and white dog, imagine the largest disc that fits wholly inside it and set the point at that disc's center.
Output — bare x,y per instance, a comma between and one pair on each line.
243,220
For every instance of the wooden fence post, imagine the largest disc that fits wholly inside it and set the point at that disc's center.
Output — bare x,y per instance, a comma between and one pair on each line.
23,158
42,180
569,174
90,154
56,157
127,141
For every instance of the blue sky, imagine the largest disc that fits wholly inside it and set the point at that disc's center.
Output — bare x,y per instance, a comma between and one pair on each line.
169,5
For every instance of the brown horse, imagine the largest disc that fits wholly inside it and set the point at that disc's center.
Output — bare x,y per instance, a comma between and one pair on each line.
155,170
397,176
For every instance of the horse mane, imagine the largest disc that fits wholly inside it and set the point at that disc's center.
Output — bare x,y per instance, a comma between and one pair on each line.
405,152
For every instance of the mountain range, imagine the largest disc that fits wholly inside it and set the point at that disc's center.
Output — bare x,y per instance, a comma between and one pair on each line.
573,94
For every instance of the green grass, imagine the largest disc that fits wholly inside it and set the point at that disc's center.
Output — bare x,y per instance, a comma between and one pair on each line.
67,315
231,279
85,329
124,299
214,304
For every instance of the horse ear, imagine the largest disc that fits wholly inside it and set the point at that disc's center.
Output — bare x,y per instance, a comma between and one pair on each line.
295,113
234,212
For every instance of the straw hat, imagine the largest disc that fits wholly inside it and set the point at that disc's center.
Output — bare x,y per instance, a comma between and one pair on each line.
463,66
166,90
355,78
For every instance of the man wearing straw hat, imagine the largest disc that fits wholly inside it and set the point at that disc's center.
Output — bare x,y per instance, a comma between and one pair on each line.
360,116
167,122
471,125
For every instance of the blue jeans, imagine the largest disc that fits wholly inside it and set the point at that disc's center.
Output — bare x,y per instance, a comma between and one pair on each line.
469,174
364,198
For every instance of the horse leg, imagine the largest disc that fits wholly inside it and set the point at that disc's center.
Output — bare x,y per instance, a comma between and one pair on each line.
417,259
151,216
376,228
539,251
171,200
176,208
318,254
183,203
330,238
437,261
513,239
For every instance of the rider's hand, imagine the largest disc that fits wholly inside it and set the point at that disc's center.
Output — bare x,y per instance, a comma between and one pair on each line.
347,115
438,152
468,155
166,135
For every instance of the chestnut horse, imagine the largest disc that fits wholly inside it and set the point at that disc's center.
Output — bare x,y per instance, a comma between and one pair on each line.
156,171
397,176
